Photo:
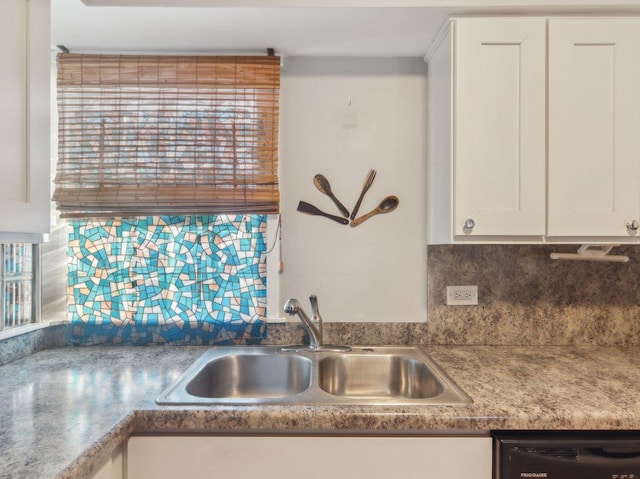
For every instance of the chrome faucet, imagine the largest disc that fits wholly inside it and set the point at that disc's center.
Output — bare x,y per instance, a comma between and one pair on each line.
312,325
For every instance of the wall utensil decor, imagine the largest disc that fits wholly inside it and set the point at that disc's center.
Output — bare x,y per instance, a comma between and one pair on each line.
387,205
309,209
365,187
323,185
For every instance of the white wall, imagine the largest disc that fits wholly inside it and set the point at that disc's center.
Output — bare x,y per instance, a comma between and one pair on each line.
341,117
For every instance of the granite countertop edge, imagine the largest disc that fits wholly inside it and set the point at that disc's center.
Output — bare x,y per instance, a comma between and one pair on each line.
103,395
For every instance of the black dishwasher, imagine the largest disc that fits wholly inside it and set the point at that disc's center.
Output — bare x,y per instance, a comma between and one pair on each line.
567,455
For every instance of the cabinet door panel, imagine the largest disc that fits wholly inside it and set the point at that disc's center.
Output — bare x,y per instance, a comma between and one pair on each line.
287,457
499,126
594,126
24,126
13,98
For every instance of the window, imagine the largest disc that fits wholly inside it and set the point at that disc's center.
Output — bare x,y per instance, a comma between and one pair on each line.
180,279
167,168
17,284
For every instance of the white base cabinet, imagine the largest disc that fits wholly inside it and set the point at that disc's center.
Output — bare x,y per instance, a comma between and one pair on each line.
311,457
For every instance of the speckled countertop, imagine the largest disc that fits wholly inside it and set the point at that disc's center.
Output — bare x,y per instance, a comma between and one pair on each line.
63,411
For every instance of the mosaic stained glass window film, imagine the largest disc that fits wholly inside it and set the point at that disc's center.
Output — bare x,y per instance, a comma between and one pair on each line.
161,279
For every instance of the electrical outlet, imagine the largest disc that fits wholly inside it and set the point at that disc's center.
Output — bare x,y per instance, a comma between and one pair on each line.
462,295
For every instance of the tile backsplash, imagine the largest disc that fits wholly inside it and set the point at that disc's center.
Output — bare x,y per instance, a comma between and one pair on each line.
525,298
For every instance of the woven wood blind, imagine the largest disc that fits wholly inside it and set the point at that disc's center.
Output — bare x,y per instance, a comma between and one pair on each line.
148,135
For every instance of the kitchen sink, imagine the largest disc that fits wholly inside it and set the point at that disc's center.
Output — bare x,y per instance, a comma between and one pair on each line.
251,376
378,376
255,375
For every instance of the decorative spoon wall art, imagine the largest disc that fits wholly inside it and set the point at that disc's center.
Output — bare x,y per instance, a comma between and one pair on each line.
387,205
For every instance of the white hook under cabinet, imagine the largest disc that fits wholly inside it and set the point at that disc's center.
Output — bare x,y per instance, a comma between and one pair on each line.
590,252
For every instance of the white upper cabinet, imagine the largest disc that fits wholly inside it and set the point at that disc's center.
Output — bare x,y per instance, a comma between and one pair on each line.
594,127
25,119
499,125
542,138
487,132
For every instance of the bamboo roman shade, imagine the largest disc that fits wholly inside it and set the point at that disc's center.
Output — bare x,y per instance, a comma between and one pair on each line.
149,135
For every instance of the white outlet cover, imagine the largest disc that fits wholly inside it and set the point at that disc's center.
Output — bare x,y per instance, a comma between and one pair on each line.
462,295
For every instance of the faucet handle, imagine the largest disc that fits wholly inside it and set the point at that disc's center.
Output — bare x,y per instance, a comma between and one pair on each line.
313,299
315,312
315,317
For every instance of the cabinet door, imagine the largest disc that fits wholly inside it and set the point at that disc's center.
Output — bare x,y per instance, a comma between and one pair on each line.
594,126
499,126
309,457
24,123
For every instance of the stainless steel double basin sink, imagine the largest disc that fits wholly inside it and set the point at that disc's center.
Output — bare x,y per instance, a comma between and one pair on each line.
249,375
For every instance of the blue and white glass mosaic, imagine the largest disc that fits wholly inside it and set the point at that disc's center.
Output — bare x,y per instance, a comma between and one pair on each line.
168,279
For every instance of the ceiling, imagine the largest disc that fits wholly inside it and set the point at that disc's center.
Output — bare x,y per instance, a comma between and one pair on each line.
353,29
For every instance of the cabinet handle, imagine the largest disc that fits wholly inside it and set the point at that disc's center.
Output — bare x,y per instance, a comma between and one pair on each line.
633,225
469,224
